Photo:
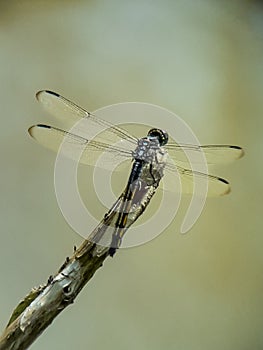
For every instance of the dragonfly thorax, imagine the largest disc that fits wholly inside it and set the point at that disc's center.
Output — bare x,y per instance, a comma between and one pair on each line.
146,149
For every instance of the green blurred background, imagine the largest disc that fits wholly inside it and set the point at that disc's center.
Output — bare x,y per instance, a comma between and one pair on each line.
202,60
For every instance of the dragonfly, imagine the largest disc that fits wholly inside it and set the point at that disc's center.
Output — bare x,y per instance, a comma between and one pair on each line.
152,156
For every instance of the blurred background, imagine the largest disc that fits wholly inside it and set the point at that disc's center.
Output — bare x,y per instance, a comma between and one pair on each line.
203,61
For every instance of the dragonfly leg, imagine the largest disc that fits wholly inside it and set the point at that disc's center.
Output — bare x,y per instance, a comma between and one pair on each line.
151,173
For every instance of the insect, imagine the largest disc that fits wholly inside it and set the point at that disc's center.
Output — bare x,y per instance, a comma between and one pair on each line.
152,155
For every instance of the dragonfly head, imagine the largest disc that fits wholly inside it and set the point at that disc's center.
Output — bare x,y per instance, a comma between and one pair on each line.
161,135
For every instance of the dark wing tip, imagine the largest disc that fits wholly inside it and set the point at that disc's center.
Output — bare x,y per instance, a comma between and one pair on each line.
47,92
242,152
223,180
43,126
52,93
235,147
228,188
33,127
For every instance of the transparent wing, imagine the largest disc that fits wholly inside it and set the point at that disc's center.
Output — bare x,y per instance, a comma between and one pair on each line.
88,125
88,151
79,140
78,148
215,154
217,186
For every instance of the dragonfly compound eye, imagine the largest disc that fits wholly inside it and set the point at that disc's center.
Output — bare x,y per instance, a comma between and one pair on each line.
161,135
